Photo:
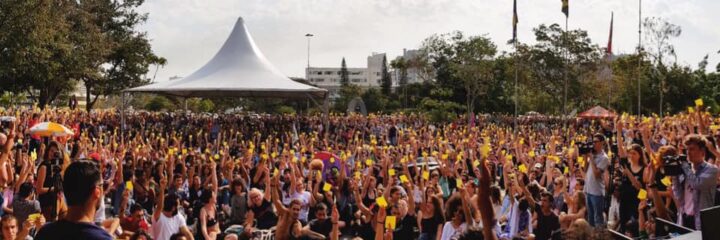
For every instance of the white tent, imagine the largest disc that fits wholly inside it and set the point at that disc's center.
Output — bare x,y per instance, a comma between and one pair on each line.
239,69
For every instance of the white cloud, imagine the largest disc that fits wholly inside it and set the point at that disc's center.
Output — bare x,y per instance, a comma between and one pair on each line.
189,32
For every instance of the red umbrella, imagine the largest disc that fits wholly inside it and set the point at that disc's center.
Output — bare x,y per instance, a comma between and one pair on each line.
597,112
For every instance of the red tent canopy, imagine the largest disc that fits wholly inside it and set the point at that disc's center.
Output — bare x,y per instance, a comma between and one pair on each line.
597,112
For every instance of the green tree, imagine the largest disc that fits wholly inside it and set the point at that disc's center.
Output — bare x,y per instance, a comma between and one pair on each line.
128,55
347,93
159,103
37,55
557,57
658,34
374,100
401,65
385,80
344,74
474,65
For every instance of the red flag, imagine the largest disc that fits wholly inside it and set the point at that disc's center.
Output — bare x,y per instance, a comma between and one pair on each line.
609,46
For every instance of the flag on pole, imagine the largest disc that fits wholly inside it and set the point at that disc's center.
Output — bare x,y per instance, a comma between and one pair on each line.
566,8
515,20
609,46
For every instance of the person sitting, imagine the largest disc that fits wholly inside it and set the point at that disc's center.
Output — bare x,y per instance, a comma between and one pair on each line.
83,189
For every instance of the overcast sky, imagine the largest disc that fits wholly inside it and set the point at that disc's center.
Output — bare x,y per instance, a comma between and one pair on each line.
189,32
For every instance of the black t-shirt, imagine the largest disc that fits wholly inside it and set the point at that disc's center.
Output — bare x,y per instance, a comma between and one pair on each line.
265,216
70,230
323,227
546,225
405,228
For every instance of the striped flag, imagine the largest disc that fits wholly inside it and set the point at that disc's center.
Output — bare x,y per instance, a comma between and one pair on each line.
566,8
515,20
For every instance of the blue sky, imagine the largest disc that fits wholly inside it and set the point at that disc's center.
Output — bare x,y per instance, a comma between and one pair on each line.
189,32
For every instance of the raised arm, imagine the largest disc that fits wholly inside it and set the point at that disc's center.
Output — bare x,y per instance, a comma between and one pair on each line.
273,188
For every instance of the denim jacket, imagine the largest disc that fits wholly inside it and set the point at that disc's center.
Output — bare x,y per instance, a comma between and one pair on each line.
701,182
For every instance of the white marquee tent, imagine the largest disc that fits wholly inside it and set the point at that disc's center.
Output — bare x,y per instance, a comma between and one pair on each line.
239,69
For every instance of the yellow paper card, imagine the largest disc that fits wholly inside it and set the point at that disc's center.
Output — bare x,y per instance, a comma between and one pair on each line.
403,179
522,168
691,110
459,182
699,102
369,162
531,153
642,195
476,163
566,170
276,172
381,202
391,172
666,181
580,160
327,187
485,150
390,222
426,175
129,185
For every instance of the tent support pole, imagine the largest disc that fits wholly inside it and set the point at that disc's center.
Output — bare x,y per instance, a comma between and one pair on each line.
326,118
122,117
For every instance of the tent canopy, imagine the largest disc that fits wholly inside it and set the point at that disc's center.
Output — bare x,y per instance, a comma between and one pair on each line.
239,69
597,112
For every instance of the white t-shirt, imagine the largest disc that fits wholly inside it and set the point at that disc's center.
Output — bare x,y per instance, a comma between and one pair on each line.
100,212
304,197
165,227
451,233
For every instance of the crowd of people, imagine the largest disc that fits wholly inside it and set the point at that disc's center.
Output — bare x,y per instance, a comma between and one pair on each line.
233,176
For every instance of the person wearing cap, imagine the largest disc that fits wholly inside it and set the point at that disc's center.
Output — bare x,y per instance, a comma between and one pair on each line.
598,162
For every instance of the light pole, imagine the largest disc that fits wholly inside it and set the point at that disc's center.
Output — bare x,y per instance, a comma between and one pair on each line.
309,35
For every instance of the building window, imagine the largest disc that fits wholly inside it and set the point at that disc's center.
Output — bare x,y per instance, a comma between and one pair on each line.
318,72
357,80
328,72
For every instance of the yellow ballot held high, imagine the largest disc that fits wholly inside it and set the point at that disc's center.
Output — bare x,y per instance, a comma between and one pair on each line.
129,185
426,175
699,102
390,222
666,181
381,202
403,179
327,187
522,168
642,195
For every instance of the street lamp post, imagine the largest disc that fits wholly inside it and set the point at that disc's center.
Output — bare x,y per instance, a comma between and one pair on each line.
309,35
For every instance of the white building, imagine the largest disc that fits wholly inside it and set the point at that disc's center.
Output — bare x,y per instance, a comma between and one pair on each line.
370,76
329,77
413,73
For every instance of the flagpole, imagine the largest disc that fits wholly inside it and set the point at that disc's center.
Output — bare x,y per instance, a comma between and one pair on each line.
566,69
639,55
516,85
515,21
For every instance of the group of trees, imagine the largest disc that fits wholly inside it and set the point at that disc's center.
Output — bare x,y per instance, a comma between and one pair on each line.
470,75
47,47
